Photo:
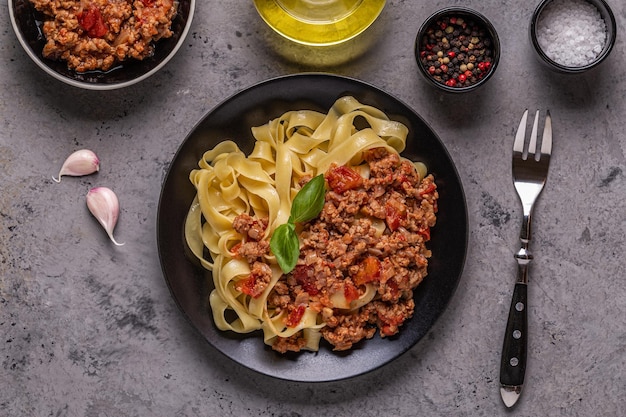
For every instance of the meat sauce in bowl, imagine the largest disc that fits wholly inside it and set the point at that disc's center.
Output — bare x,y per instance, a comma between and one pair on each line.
97,34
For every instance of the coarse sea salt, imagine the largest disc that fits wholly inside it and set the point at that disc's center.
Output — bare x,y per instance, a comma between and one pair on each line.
571,32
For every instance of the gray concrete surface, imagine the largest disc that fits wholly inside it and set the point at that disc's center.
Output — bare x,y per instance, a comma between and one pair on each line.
89,329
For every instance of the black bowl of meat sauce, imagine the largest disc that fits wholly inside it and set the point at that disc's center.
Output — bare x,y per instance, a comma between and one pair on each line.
28,23
457,49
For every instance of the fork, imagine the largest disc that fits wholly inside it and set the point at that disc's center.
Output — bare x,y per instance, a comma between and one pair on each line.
530,170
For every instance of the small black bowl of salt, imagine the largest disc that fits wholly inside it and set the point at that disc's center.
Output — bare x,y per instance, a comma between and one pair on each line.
572,36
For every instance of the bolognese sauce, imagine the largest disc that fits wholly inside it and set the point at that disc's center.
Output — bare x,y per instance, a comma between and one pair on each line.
373,232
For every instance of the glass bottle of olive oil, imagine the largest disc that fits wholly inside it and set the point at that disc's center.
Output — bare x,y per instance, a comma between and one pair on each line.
319,22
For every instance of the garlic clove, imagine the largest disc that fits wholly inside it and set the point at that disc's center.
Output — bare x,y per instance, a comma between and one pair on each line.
81,162
104,205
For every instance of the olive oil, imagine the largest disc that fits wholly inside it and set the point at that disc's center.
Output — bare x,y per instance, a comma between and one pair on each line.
319,22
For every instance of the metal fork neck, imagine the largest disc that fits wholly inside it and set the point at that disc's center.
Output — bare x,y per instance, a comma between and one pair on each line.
526,232
524,256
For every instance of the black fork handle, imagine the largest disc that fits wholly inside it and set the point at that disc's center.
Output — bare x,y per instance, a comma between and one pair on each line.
514,348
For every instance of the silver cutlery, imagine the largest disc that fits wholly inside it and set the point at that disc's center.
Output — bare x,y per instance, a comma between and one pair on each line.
530,170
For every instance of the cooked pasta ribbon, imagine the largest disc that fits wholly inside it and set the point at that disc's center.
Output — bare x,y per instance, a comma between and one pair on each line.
295,146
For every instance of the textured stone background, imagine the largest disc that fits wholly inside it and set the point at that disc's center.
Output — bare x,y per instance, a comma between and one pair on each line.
88,329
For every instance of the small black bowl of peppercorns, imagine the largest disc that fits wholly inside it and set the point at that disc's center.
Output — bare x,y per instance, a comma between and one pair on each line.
457,49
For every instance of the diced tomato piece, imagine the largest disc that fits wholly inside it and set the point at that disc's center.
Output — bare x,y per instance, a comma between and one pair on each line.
342,178
390,325
350,291
247,285
251,286
302,274
368,272
395,213
393,288
430,188
235,250
92,22
295,316
387,330
424,232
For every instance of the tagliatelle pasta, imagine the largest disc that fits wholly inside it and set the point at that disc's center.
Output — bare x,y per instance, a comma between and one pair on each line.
288,151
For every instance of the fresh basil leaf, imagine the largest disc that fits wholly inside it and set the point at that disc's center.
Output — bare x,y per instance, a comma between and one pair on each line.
285,246
309,201
306,206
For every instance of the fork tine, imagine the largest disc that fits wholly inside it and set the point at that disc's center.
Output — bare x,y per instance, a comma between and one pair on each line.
518,145
532,145
546,142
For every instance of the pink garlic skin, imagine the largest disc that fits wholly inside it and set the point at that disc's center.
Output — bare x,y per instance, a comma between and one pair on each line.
104,205
81,162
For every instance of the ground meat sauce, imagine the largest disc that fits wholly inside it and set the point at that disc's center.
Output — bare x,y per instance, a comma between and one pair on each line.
343,250
97,34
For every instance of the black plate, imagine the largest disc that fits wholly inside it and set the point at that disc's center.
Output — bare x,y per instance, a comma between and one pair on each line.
256,106
27,22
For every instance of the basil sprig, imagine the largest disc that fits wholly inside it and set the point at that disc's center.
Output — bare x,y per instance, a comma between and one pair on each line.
306,205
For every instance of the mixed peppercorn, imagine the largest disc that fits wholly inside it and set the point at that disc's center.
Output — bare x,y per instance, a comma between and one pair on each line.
456,51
